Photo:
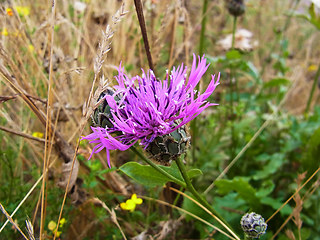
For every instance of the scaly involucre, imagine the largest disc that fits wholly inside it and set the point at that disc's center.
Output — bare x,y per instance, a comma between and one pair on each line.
152,108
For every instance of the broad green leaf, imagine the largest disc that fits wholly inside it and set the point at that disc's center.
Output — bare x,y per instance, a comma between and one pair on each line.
266,189
144,174
150,177
192,173
233,54
276,204
310,161
275,162
276,82
242,187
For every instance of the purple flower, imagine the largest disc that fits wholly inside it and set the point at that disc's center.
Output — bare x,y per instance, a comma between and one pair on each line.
151,108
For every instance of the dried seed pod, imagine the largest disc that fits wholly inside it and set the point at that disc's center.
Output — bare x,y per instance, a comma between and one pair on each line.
253,225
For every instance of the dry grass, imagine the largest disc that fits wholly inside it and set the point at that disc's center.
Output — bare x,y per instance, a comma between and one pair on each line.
86,51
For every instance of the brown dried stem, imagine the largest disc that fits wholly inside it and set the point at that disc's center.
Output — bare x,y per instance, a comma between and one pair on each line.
142,24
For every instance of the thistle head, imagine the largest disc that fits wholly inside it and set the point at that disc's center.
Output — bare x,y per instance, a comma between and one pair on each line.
150,111
164,149
235,7
253,225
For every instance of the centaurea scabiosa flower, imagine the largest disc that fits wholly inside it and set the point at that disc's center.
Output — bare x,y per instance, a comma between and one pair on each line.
144,108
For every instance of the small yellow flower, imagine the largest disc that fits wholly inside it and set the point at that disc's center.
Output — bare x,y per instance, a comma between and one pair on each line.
58,233
135,199
62,222
5,32
312,68
37,134
130,204
9,11
52,226
31,49
22,11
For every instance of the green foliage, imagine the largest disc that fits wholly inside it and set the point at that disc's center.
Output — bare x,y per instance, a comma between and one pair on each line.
311,16
148,176
242,187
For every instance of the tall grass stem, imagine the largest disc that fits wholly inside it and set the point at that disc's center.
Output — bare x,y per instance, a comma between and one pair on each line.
315,81
194,129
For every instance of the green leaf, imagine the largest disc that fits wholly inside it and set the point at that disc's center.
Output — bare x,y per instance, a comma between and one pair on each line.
310,161
266,189
150,177
277,82
146,175
192,173
242,187
233,54
276,204
275,162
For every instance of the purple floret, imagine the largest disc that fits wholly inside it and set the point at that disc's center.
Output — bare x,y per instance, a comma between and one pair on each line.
151,107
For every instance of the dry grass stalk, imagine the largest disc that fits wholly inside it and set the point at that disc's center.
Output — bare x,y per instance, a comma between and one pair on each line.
299,204
111,212
3,210
104,48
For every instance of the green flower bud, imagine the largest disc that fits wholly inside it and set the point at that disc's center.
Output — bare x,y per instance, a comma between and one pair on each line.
253,225
169,147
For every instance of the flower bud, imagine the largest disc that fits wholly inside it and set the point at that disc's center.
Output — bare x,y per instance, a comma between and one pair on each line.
169,147
235,7
253,225
102,114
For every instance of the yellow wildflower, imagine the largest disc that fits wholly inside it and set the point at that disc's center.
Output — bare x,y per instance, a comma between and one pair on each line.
312,68
9,11
37,134
22,11
62,222
52,226
5,32
31,49
130,204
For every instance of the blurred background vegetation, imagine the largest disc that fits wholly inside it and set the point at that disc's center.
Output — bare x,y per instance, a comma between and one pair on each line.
258,148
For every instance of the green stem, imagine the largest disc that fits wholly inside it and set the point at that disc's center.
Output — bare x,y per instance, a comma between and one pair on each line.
312,90
203,26
232,74
156,167
194,192
280,36
194,129
234,31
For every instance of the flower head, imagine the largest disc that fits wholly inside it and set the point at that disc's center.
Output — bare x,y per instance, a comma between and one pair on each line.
143,108
5,32
236,7
130,204
253,225
37,134
9,11
23,11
